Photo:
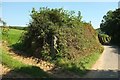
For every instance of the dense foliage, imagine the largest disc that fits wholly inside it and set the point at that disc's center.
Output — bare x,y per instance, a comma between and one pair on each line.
103,38
60,35
45,26
4,29
57,32
111,25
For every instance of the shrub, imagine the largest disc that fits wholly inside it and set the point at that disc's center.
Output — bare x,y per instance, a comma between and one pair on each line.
60,36
104,38
44,29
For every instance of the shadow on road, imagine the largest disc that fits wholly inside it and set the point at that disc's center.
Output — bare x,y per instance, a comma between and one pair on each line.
26,72
116,49
39,73
103,74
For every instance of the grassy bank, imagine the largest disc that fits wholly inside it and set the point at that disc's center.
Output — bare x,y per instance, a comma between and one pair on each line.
20,67
77,65
15,65
81,66
13,36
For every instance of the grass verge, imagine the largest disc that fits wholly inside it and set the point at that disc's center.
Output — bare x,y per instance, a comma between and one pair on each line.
81,66
18,66
13,36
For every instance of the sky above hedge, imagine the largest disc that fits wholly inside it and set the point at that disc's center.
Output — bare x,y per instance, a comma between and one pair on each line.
18,13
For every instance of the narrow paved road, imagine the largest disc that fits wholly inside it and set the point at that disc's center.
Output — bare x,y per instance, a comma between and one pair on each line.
107,65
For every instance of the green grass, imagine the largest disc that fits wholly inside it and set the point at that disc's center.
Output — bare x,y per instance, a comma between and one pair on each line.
13,36
81,66
10,62
18,66
89,60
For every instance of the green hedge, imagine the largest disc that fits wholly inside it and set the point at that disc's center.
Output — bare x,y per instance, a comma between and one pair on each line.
104,38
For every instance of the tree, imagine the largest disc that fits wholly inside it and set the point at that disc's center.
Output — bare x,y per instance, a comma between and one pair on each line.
111,25
79,15
4,23
4,28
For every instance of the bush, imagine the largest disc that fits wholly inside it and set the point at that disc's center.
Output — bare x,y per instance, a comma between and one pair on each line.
44,29
60,36
104,38
5,31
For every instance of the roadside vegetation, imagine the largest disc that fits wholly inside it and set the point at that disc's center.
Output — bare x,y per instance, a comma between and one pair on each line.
17,66
81,68
58,36
13,36
110,25
103,38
